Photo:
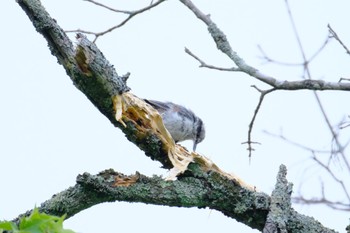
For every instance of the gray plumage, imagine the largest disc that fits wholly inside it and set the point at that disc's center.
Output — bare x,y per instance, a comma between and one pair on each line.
181,122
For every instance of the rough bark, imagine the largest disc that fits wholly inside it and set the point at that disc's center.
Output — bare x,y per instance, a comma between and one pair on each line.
92,74
202,190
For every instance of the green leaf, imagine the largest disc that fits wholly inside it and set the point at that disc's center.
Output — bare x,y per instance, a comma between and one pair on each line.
37,223
7,226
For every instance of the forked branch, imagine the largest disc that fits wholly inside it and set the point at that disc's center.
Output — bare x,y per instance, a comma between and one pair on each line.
130,14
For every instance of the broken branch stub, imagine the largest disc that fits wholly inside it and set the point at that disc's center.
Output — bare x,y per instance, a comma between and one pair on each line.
129,108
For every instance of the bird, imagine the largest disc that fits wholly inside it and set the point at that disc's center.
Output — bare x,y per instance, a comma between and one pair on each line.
181,123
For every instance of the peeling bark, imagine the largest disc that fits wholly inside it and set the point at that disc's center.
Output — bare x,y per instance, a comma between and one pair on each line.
198,187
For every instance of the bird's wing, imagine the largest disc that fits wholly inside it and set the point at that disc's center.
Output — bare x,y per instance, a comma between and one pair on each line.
160,106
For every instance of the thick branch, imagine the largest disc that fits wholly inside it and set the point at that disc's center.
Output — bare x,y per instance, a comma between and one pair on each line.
92,74
210,190
97,79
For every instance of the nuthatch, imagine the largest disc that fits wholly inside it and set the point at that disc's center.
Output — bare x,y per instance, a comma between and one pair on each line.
181,122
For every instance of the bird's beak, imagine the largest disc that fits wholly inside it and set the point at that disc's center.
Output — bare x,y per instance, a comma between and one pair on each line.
194,146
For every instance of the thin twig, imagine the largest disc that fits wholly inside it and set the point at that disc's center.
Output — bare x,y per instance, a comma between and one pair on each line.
338,205
335,36
268,59
308,73
344,79
332,204
344,124
203,64
297,144
331,173
327,168
130,13
109,8
318,51
263,93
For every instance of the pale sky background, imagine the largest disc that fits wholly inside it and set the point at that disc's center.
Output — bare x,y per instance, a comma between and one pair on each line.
50,132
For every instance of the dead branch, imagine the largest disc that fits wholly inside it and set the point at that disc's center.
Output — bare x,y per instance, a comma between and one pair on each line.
281,206
251,124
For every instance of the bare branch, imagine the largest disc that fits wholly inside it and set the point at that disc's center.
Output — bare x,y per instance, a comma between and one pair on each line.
318,51
338,205
251,124
109,8
340,147
224,46
314,201
130,13
345,124
335,178
297,144
203,64
267,58
301,49
344,79
325,166
335,36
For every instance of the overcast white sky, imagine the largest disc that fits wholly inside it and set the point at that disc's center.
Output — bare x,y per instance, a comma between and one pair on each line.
50,132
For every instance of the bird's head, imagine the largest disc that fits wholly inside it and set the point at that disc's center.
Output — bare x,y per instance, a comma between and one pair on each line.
198,132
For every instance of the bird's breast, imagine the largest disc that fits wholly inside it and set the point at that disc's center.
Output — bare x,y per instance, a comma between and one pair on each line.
179,127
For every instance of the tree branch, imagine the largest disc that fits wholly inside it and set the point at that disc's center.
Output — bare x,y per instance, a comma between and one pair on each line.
224,46
130,14
312,57
203,64
202,185
201,190
251,124
335,36
334,177
280,208
336,205
92,74
340,147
